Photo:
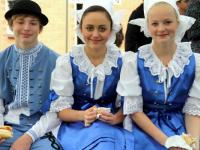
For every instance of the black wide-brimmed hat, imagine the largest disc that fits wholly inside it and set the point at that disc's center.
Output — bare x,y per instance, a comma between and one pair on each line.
27,7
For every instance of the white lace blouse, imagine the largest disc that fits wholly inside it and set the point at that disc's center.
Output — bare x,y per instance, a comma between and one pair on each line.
62,82
129,84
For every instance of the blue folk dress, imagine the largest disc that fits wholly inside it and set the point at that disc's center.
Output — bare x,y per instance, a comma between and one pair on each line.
79,85
163,94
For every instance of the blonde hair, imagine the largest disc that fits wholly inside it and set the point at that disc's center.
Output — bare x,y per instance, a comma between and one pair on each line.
165,3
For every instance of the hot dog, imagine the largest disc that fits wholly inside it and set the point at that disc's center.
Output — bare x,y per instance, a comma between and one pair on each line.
5,132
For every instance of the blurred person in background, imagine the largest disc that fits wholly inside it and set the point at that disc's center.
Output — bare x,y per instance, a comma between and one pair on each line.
133,37
193,34
182,6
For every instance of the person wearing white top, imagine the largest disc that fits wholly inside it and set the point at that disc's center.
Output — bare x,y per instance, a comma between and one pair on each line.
84,86
160,83
25,73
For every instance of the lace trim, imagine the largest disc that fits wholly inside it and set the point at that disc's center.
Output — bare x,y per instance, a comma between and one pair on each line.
192,106
133,104
32,53
27,59
61,103
176,65
84,64
28,51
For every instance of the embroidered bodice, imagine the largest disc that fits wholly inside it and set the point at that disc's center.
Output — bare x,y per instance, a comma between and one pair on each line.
81,81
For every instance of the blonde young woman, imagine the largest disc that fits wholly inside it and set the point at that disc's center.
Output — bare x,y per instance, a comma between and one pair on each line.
161,82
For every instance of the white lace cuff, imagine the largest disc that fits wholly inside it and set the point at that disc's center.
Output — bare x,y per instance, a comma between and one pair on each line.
61,103
47,123
176,141
129,83
192,106
133,104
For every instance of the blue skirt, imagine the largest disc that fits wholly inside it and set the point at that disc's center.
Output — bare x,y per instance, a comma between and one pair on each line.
169,123
98,136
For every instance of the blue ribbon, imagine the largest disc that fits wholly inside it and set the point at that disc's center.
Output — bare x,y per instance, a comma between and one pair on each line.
47,103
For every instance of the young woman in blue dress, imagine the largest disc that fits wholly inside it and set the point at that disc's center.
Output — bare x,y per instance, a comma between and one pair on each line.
84,86
160,83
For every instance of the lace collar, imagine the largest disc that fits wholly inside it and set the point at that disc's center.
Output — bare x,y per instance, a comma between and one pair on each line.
84,64
30,51
176,65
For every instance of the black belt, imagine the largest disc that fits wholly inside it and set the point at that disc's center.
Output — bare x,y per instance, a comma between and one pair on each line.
163,107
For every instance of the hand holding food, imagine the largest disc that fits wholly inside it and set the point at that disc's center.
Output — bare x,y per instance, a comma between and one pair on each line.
178,142
90,116
100,110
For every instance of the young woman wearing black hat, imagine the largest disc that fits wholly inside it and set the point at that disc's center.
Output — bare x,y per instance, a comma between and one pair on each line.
25,72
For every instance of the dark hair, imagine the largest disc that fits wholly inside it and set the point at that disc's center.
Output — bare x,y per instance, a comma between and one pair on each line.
96,8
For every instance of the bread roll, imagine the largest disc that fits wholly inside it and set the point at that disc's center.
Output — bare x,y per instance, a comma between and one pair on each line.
188,139
6,132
